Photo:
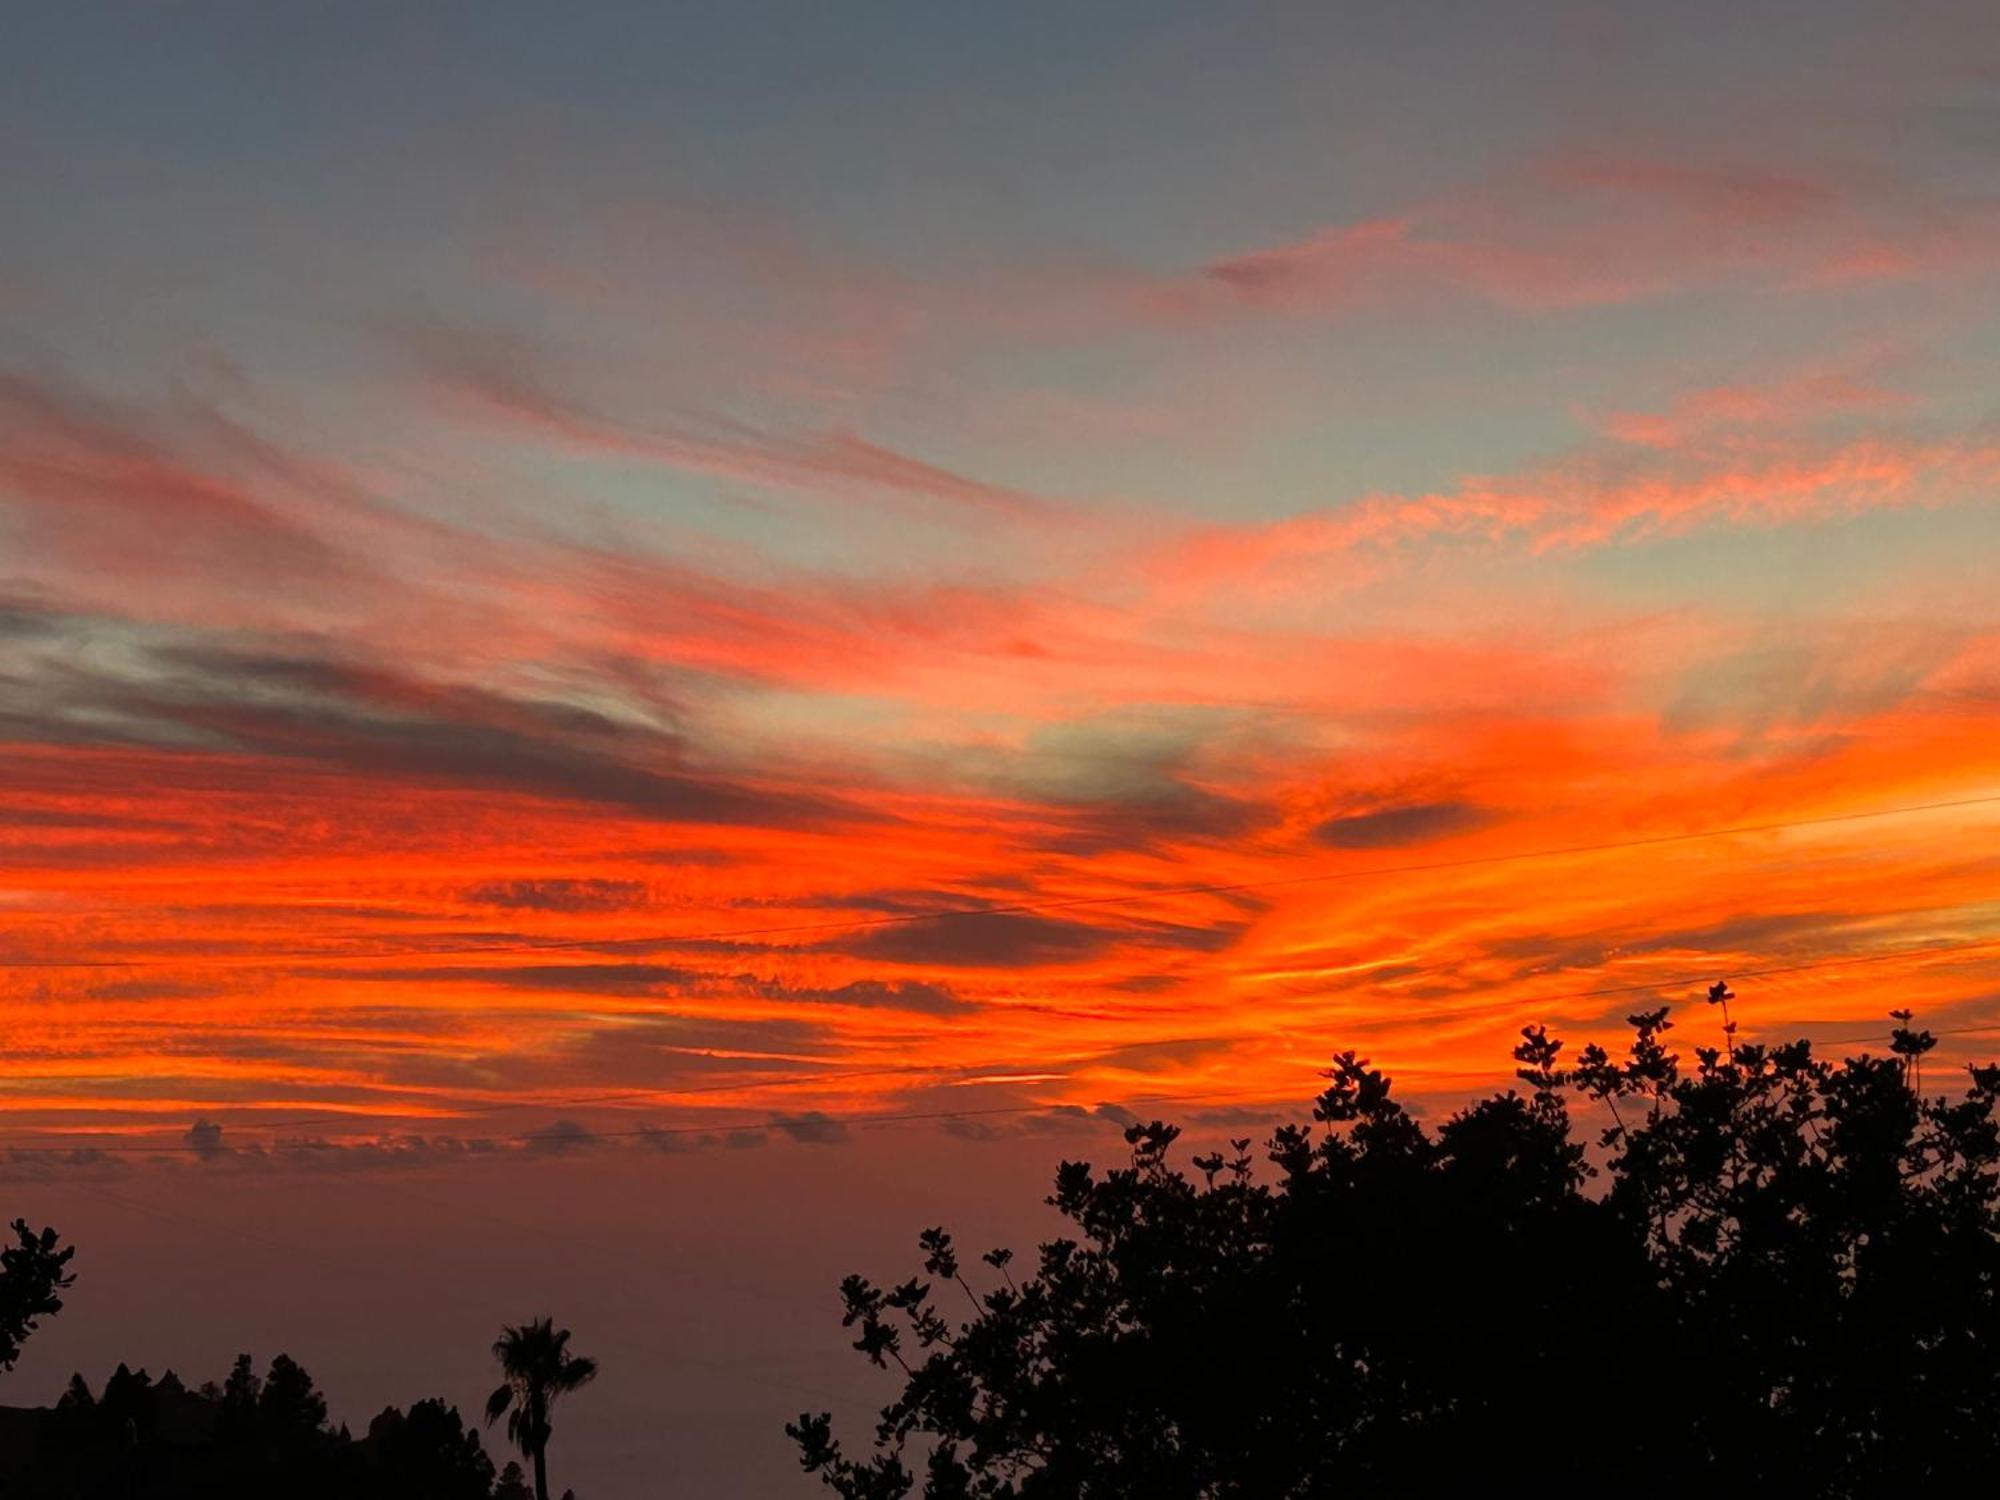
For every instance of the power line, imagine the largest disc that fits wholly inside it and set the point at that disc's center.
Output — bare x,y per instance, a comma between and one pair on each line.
1982,1029
1018,908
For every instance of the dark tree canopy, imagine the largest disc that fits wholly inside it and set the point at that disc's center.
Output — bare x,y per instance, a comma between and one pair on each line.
429,1454
251,1438
34,1272
1774,1272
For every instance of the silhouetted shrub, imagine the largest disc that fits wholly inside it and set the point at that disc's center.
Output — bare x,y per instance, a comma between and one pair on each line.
34,1271
1775,1273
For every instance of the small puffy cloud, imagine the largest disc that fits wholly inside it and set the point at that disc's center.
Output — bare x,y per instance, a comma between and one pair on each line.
204,1137
560,1138
813,1127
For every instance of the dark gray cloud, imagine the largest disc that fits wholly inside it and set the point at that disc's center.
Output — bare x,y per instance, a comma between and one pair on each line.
983,940
1411,823
560,1138
24,619
628,1053
1007,940
1143,1056
315,707
1058,1119
1169,812
874,994
146,988
1767,932
656,1052
1127,779
558,894
1145,984
574,979
1261,1120
638,978
811,1127
1772,932
204,1138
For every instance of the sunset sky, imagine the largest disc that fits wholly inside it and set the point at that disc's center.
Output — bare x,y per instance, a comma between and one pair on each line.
541,548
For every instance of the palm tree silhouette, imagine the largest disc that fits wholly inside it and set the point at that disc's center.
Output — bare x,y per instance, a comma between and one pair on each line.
536,1360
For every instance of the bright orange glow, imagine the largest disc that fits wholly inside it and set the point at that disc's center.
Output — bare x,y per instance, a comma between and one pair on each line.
200,935
1365,635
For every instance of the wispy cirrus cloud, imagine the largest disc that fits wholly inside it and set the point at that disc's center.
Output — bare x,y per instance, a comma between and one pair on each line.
1587,228
501,381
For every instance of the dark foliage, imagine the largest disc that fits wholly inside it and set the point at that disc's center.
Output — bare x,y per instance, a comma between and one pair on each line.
539,1369
1774,1274
141,1439
428,1454
34,1271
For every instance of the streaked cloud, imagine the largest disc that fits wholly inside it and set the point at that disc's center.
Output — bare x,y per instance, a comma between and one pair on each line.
1127,611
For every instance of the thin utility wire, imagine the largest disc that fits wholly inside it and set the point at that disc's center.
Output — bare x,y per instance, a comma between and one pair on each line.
1019,908
1985,1028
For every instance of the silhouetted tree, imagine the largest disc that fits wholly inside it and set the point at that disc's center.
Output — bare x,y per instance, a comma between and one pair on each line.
540,1369
239,1396
249,1438
34,1272
1790,1283
127,1404
428,1454
289,1405
511,1485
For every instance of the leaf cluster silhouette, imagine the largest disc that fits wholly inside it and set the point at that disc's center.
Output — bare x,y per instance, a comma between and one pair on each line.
34,1273
1769,1271
535,1358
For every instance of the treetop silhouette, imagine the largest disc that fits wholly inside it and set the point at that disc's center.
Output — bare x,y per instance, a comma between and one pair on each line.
249,1438
540,1370
1771,1270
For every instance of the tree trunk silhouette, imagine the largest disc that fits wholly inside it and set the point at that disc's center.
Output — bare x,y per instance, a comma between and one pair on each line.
541,1472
